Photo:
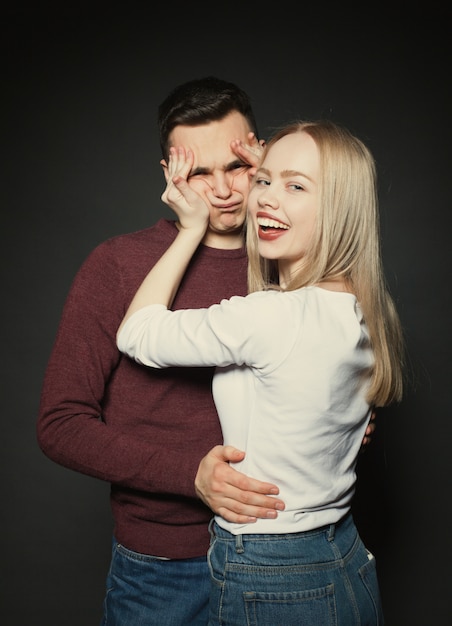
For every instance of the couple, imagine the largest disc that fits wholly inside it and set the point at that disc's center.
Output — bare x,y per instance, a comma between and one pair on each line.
156,426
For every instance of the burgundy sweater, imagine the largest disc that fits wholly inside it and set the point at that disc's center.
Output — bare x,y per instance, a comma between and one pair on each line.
143,430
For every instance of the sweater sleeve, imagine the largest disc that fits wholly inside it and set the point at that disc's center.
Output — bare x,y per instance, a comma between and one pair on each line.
70,428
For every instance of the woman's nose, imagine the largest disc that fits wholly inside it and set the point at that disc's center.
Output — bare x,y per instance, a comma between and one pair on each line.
268,199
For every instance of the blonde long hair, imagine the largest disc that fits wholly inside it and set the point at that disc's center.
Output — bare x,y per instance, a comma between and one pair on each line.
345,244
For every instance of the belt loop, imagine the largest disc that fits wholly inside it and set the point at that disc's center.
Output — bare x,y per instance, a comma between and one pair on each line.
211,529
331,532
239,544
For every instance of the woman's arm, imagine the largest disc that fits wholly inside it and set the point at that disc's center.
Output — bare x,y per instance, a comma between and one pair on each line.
162,282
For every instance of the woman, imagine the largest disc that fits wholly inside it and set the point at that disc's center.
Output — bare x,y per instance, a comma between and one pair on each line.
301,361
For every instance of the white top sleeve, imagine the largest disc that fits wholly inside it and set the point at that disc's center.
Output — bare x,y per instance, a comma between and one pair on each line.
237,331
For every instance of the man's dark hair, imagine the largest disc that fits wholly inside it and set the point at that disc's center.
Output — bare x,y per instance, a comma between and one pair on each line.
201,101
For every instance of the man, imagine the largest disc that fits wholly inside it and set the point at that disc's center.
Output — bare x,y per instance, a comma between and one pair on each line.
143,431
151,433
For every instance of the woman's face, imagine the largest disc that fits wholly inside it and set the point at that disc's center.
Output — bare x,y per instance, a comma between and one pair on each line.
283,201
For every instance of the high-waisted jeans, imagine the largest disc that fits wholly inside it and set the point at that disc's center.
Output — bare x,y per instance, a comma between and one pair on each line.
322,577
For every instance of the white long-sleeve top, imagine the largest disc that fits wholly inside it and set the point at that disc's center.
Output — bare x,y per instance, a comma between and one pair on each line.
293,369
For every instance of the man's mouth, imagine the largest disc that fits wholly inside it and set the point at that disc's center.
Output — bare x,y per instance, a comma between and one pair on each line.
230,208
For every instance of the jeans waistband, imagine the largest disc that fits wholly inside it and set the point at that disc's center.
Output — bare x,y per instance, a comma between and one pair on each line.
329,529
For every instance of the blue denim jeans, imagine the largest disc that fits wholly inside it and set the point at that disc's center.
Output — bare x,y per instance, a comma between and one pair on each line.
323,577
146,590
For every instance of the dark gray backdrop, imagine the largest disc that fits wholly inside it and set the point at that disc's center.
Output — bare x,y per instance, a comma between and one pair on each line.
81,163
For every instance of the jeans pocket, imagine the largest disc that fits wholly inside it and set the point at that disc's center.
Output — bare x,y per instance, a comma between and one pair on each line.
296,608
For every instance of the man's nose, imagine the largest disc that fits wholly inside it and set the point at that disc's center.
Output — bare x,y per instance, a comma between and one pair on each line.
222,185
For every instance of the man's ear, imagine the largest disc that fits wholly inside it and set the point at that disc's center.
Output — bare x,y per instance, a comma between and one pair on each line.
164,165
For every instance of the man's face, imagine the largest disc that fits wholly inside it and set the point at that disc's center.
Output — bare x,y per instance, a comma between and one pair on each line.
218,175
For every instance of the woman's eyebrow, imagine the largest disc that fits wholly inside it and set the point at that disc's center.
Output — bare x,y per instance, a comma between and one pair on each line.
284,173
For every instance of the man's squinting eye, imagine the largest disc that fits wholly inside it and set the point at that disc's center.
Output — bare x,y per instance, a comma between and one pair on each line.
238,167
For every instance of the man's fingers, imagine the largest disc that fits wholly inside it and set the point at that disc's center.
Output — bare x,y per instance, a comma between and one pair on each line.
231,494
234,511
259,487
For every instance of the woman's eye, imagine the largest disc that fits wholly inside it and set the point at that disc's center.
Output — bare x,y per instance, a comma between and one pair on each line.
296,187
262,181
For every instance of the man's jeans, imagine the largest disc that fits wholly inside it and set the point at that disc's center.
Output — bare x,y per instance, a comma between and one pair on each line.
144,590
